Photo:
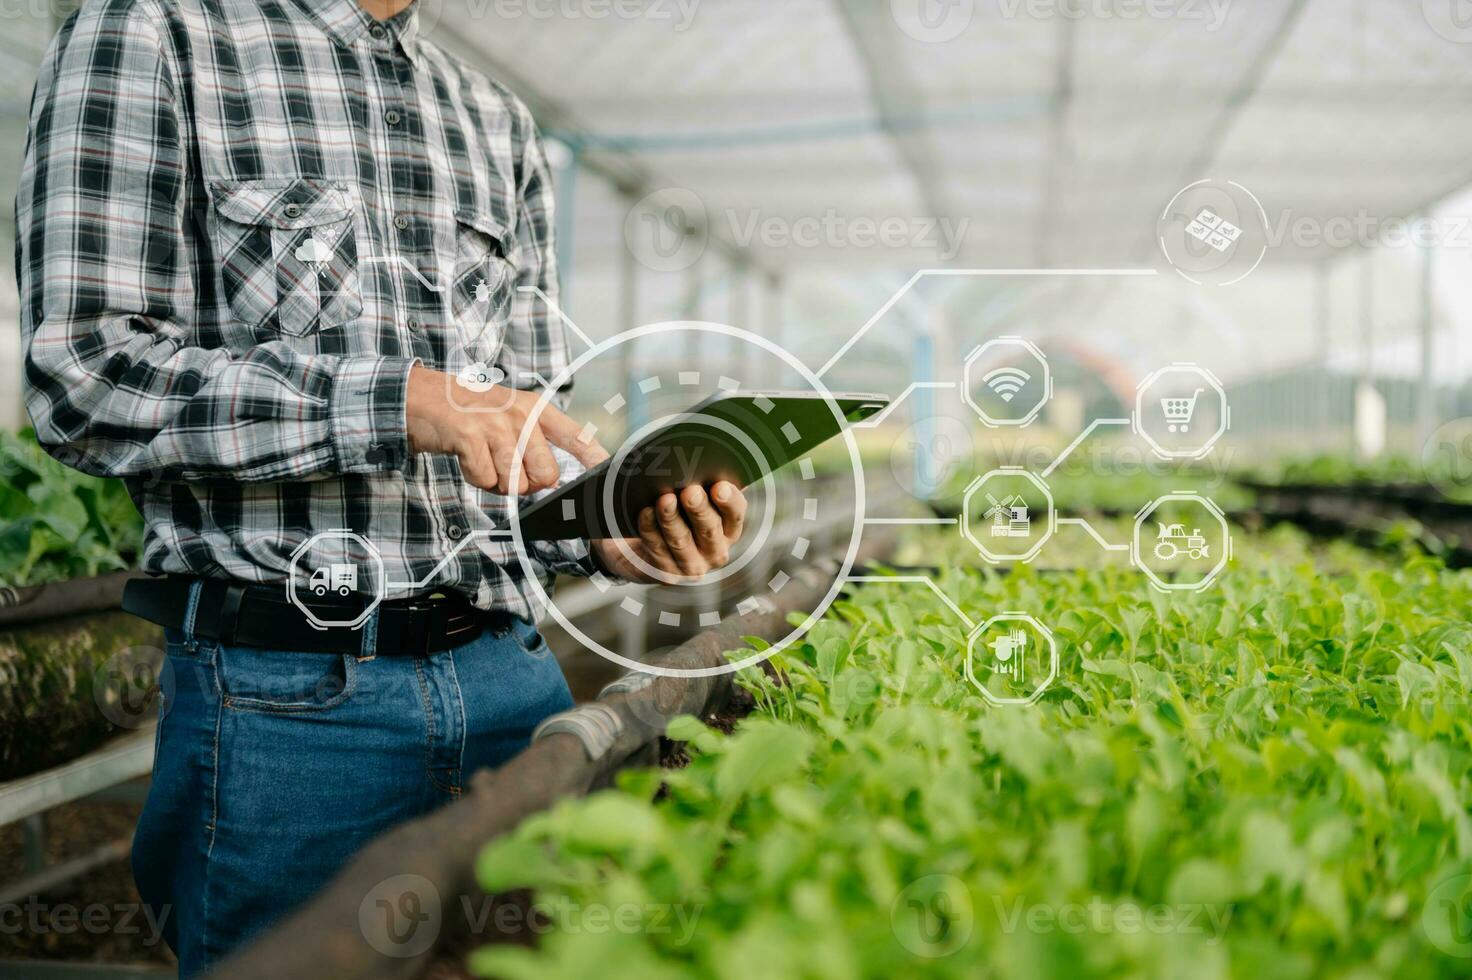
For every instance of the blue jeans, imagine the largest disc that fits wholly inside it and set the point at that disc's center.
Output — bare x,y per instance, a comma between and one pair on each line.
275,767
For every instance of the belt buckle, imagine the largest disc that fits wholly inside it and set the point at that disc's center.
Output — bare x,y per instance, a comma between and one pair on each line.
435,621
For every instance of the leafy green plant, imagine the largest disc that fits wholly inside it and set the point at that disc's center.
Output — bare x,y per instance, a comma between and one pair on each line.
1267,780
57,523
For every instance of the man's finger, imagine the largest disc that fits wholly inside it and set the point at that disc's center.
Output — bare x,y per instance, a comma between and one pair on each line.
478,468
577,439
705,522
659,556
731,502
512,476
538,462
677,536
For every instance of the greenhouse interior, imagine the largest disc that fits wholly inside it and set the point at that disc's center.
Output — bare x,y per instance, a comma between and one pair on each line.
736,488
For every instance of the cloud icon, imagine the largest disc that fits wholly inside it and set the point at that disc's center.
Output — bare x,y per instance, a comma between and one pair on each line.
480,377
314,250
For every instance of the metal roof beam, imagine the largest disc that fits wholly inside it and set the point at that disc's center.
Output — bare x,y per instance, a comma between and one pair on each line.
629,175
897,101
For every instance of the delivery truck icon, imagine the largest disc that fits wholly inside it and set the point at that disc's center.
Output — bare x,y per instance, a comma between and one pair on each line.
339,578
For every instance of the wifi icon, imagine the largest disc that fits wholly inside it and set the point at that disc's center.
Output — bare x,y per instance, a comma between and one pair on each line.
1007,382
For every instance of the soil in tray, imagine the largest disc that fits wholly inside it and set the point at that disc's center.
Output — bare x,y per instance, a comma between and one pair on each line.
71,831
51,710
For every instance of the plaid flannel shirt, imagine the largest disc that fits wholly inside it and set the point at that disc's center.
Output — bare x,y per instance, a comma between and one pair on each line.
239,224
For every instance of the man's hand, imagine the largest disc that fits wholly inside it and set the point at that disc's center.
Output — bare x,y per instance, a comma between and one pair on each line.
680,537
482,429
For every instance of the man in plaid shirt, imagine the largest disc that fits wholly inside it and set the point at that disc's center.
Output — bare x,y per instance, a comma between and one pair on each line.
257,244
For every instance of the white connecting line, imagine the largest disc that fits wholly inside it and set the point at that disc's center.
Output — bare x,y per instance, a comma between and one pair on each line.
1081,437
923,273
917,579
558,310
442,286
493,533
1093,533
400,260
928,521
876,420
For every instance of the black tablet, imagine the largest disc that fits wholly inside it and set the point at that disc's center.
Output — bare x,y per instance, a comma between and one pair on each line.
734,436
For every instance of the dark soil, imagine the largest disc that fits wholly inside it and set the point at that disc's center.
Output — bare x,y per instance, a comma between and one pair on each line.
105,895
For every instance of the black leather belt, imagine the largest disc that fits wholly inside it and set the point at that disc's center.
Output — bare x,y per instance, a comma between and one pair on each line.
237,614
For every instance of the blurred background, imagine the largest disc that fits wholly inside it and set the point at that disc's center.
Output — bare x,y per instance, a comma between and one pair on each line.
789,165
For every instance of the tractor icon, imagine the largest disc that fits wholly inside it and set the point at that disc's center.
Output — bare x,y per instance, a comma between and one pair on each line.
1173,541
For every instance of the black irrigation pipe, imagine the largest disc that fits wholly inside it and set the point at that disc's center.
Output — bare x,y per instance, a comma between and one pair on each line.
1364,514
1415,499
434,856
55,600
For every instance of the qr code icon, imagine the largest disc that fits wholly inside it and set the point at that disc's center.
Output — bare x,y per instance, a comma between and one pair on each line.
1214,230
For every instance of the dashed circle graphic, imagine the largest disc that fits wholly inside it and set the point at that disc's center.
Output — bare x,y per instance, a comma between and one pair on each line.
798,549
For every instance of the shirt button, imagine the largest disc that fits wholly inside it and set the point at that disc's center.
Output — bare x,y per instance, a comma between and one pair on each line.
455,531
292,211
378,31
401,221
414,323
392,117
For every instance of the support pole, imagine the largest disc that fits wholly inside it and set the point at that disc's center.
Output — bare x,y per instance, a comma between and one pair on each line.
928,467
1322,412
628,319
564,158
1426,391
1370,422
694,300
772,317
741,319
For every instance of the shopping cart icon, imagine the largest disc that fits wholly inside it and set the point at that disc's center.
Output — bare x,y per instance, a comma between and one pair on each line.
1180,411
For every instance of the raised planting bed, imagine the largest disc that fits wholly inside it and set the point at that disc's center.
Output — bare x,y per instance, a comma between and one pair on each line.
71,665
1267,780
1373,513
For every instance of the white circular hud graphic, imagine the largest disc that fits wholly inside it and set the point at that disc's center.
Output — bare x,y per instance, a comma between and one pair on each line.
1214,232
811,506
